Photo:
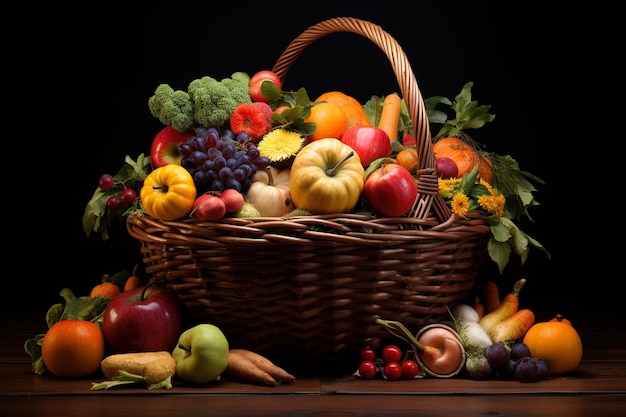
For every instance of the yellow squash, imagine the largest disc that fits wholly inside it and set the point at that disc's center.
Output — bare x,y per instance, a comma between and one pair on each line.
326,177
168,192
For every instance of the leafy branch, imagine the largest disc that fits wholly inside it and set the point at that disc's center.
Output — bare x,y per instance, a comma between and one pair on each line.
97,217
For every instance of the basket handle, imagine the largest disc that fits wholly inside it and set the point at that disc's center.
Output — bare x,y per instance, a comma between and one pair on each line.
428,198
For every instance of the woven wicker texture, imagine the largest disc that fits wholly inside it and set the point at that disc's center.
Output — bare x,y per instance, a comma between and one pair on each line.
310,288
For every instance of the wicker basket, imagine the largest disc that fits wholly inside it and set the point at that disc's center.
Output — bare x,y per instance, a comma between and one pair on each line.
309,289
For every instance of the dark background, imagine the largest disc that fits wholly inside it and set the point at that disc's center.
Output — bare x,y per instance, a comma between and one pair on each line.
86,75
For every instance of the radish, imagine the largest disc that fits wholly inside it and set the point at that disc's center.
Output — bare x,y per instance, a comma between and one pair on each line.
474,338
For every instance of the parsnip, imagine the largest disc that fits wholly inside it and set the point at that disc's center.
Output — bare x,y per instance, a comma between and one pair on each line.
508,307
152,368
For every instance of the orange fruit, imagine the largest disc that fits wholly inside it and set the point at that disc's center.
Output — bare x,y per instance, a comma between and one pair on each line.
351,107
105,289
73,348
330,120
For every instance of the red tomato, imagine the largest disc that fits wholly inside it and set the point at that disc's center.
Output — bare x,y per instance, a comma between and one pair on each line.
410,369
367,370
392,371
392,353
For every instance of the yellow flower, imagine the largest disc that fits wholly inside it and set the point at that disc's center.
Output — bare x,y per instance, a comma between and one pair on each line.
487,185
460,204
280,144
492,204
446,187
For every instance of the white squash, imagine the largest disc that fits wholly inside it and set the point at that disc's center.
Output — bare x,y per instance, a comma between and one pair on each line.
269,192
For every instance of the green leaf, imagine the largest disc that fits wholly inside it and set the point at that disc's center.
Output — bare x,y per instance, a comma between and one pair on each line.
373,108
499,252
120,278
127,378
500,232
269,90
96,217
241,77
467,113
33,349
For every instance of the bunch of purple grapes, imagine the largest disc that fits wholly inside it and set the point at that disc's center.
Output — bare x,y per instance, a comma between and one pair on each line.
516,362
221,160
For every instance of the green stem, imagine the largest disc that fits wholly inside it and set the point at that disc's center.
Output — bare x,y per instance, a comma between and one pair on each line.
399,330
332,171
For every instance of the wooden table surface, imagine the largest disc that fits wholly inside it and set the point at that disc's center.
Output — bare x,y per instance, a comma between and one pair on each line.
596,388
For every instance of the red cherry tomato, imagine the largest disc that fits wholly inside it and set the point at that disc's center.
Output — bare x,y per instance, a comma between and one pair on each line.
367,370
392,371
409,369
368,354
392,353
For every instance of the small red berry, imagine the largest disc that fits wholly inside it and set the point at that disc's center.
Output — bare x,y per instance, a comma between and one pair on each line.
392,353
410,369
367,370
128,196
106,181
392,371
368,354
114,202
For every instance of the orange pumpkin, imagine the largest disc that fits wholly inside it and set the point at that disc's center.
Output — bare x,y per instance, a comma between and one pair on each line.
557,342
465,157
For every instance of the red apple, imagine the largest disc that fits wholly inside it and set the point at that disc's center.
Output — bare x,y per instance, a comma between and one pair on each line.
446,167
144,319
209,207
165,147
390,190
256,83
369,142
233,200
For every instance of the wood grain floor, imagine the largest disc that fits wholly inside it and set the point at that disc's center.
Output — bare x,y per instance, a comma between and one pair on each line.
596,388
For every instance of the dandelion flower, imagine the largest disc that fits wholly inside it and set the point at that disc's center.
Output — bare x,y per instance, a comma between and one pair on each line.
493,204
280,146
460,204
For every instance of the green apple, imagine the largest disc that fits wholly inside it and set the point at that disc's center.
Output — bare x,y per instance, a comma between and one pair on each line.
201,354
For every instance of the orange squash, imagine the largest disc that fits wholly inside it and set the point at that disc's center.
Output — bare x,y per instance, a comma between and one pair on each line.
557,342
465,156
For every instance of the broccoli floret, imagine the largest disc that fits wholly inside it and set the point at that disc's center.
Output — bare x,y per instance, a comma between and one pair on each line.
214,101
172,108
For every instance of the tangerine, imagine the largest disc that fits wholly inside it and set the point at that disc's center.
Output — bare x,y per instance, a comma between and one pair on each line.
330,121
106,289
73,348
351,107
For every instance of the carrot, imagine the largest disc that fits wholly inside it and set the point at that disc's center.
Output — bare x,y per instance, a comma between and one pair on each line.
266,365
490,296
390,116
508,306
241,368
479,307
512,328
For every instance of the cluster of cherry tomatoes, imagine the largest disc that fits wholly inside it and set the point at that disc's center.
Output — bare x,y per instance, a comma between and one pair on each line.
392,364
